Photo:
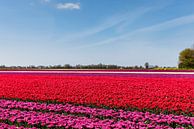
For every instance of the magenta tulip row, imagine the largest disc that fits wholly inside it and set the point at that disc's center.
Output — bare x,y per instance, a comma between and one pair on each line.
7,126
94,112
56,120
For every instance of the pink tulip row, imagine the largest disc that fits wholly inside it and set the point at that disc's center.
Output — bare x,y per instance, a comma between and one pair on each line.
69,121
93,112
7,126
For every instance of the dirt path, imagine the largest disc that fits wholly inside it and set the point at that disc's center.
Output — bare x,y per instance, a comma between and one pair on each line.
99,72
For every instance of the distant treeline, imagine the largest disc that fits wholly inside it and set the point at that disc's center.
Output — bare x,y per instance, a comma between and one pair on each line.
68,66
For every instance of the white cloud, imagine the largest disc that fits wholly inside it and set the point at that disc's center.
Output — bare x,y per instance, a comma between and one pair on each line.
115,20
46,1
171,23
69,6
180,21
118,21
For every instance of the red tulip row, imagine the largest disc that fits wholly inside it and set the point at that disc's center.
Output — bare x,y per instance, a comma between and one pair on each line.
173,94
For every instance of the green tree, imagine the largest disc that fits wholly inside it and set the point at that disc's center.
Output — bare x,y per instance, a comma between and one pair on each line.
186,58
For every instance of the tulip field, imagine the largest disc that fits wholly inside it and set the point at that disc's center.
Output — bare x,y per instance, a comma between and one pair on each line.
96,99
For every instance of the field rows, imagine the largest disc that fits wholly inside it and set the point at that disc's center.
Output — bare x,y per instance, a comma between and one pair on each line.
174,94
60,101
39,115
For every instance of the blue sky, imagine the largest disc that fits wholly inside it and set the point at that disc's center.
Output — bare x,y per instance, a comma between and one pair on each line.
123,32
